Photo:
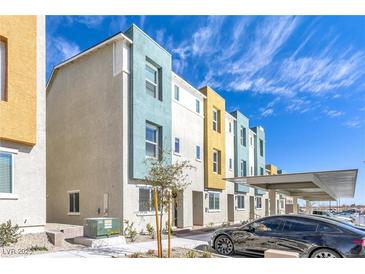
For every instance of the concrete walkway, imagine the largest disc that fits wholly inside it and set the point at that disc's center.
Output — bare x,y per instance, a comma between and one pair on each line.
125,249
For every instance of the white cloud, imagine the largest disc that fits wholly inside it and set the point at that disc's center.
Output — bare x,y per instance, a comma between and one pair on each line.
333,113
91,21
354,123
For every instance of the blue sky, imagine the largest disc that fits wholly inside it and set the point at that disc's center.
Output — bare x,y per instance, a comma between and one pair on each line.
301,78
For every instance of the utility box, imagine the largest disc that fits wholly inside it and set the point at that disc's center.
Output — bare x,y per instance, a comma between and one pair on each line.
101,227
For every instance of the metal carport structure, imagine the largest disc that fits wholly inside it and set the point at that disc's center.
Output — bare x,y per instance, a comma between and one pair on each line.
309,186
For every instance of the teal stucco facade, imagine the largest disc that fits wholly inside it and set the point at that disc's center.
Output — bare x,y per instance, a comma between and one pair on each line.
143,107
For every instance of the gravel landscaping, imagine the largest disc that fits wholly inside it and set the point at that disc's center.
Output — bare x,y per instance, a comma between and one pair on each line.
176,253
34,243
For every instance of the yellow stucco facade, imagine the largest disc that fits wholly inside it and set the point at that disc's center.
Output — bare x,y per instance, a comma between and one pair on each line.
18,111
214,140
271,169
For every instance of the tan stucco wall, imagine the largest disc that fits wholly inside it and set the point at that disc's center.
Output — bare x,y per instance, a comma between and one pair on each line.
85,137
18,113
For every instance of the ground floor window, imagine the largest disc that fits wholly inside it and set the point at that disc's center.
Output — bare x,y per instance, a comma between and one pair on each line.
258,202
240,201
214,200
74,202
6,172
145,199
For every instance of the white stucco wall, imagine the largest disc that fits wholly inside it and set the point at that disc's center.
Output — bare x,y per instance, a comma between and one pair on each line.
27,207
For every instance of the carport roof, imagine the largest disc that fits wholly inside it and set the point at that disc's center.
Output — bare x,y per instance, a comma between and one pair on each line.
310,186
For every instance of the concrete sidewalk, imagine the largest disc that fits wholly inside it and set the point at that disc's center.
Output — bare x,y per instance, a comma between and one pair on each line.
120,250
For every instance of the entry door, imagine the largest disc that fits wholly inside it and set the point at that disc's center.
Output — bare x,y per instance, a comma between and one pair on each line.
252,207
230,207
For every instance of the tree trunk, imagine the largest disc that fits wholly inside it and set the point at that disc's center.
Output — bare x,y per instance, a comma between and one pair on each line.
161,218
169,226
159,249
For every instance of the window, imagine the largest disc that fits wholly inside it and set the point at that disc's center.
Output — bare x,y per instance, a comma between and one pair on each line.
230,127
215,120
251,141
271,224
145,199
197,106
6,172
152,137
177,145
177,93
213,201
197,152
215,161
242,167
299,225
152,75
240,201
261,148
243,136
258,202
74,202
3,68
261,171
282,204
324,228
230,163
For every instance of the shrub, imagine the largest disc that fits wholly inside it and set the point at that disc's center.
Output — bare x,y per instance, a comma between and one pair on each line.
211,224
206,254
135,255
9,234
150,230
191,254
38,248
129,230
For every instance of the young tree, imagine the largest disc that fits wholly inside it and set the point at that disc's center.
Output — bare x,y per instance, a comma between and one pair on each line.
167,179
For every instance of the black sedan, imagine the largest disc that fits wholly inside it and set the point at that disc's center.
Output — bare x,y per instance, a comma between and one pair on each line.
310,236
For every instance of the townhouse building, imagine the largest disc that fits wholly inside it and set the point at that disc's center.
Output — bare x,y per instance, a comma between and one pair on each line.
22,122
118,104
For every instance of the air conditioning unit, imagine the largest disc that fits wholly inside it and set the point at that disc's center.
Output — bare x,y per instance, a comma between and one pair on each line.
101,227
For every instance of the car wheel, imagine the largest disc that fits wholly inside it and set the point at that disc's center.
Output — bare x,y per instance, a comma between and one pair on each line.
325,253
224,245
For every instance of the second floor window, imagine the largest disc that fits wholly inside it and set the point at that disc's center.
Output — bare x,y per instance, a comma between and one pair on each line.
244,168
197,152
152,144
197,106
3,62
177,145
152,76
177,93
243,136
261,171
215,161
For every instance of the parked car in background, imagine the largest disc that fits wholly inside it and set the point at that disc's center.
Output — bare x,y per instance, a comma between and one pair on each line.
308,235
344,218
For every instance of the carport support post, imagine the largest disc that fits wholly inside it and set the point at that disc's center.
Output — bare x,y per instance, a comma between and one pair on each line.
295,205
272,198
308,207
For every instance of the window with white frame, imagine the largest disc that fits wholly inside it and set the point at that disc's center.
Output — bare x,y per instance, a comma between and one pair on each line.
197,153
240,201
152,78
6,172
242,168
152,140
74,202
214,200
177,145
215,120
3,68
215,161
258,202
197,106
177,93
145,199
243,136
